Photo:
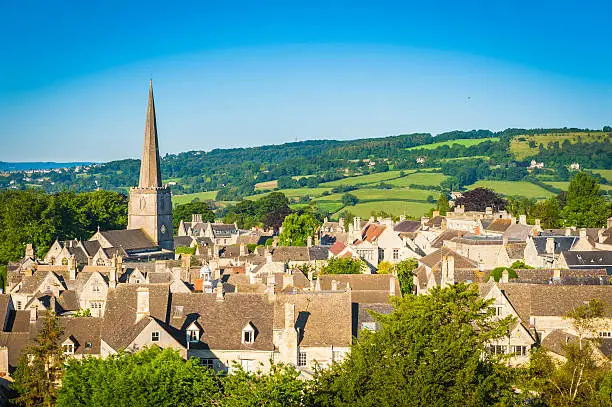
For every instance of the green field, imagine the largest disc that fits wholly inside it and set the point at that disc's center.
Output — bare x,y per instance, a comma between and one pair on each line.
563,185
365,179
419,178
364,209
607,174
266,185
509,188
468,142
185,198
521,149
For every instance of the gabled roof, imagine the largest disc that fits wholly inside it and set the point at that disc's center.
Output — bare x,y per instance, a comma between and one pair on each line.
596,258
562,243
499,225
222,321
129,239
290,253
515,251
448,234
434,260
407,226
516,231
372,231
323,318
337,248
567,277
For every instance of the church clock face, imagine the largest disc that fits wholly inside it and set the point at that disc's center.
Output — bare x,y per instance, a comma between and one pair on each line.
163,229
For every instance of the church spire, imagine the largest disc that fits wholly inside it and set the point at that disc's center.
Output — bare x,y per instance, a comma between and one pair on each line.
150,174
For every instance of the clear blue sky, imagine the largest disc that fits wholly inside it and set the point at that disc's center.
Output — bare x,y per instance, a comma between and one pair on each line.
74,74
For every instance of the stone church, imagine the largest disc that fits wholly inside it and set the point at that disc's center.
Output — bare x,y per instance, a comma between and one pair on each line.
149,232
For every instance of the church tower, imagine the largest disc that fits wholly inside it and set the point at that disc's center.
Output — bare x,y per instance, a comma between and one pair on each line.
150,207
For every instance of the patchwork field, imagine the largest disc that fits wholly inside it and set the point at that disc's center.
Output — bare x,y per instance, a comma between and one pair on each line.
509,188
563,185
186,198
365,209
419,178
521,149
463,142
365,179
266,185
607,174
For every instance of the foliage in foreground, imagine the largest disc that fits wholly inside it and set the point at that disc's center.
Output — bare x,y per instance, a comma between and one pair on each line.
343,266
156,377
431,351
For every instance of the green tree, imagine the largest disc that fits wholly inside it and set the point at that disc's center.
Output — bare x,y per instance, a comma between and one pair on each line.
349,200
343,266
385,267
497,272
404,271
585,206
443,206
548,212
183,213
297,228
431,351
278,388
576,380
151,377
40,366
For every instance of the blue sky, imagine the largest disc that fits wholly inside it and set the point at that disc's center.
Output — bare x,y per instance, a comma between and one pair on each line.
74,75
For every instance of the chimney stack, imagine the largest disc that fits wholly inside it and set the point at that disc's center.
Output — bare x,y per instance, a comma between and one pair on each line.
72,267
523,219
505,241
556,275
142,303
341,223
451,270
243,250
318,285
550,245
309,241
33,314
537,223
392,286
29,251
435,214
334,285
488,210
444,272
505,276
568,231
424,220
583,234
289,316
219,291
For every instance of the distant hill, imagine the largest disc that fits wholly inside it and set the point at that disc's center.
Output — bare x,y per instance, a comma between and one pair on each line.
38,165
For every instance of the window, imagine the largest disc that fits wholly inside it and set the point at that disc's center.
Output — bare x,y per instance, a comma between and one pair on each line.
95,305
395,254
605,334
206,362
19,305
95,288
68,349
193,335
155,336
247,336
519,350
497,310
498,349
370,326
247,365
301,358
100,262
178,311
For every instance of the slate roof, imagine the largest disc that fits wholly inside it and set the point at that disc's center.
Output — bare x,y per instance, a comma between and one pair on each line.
84,331
596,258
223,230
363,314
407,226
129,239
448,234
567,277
15,342
222,321
119,327
436,221
553,300
183,241
324,319
562,243
318,253
434,260
5,300
284,254
499,225
517,231
516,251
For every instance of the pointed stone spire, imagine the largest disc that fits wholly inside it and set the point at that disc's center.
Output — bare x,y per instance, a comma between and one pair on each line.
150,174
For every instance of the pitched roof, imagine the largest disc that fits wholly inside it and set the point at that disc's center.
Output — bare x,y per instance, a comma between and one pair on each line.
596,258
573,277
84,331
129,239
516,231
222,321
324,318
436,221
434,260
407,226
337,248
499,225
562,243
290,253
5,299
318,253
372,232
515,251
15,342
447,234
119,327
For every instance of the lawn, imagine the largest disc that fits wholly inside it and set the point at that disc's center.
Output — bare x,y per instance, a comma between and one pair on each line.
185,198
521,149
419,178
364,209
365,179
508,188
468,142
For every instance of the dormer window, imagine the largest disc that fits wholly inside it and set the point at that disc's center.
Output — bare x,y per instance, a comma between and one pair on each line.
95,288
68,347
248,333
193,333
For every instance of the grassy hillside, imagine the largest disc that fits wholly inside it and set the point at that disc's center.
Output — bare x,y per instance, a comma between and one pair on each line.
463,142
365,179
185,198
509,188
519,146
